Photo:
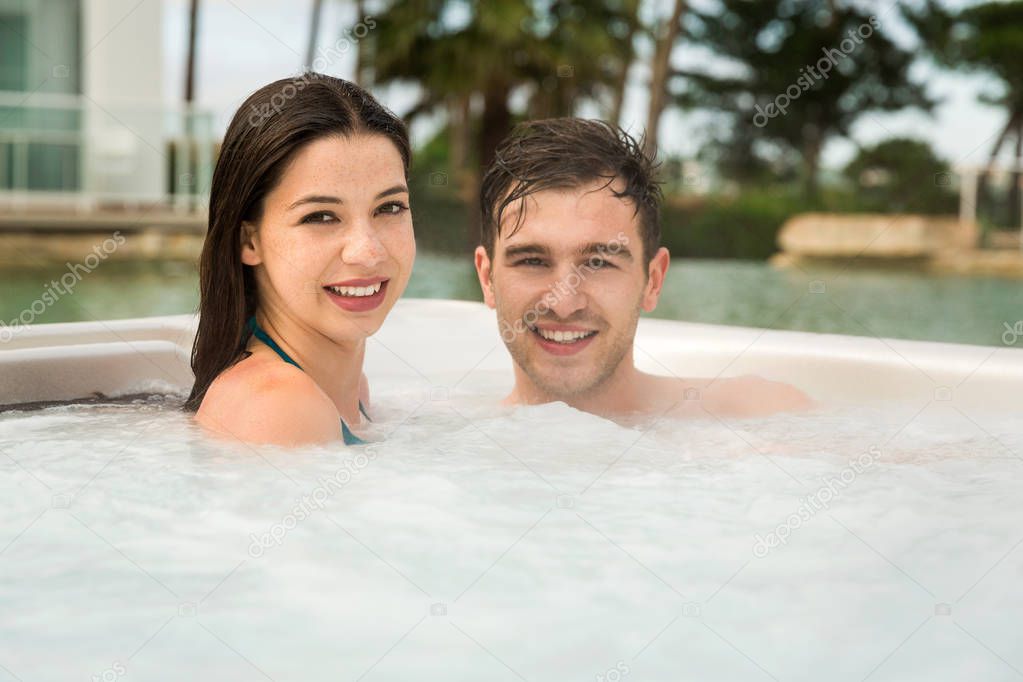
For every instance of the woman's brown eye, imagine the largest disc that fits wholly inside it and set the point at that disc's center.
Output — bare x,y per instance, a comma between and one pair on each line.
319,217
393,208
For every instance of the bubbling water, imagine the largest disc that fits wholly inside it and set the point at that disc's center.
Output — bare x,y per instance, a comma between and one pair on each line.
471,541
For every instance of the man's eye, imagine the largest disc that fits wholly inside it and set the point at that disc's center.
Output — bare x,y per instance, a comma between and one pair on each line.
320,217
529,261
392,208
600,263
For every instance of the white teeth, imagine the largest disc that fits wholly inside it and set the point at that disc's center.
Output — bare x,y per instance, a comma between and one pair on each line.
357,291
563,337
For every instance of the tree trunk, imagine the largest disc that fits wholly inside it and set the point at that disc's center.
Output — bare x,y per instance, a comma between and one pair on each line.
191,162
1014,189
495,124
193,20
659,70
360,48
618,96
496,121
314,32
811,163
459,138
982,177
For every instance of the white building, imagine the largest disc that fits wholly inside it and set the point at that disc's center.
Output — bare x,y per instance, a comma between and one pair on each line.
82,116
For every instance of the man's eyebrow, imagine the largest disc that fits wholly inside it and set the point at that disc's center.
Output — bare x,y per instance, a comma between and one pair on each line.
604,250
327,199
521,249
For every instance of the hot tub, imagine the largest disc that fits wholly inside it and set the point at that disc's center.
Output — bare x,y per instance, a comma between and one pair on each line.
877,536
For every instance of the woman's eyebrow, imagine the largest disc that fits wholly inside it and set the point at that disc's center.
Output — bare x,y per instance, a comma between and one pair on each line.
397,189
316,199
327,199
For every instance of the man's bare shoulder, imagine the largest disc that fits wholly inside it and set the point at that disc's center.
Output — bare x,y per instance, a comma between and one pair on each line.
263,400
737,397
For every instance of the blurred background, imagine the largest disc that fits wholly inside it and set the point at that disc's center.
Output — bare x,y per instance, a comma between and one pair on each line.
828,165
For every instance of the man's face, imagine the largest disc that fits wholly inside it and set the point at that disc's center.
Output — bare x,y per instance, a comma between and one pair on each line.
569,285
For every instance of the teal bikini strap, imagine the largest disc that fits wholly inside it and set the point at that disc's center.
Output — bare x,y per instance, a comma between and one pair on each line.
257,331
349,437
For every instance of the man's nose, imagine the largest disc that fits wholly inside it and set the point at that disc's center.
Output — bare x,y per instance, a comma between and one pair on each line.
569,293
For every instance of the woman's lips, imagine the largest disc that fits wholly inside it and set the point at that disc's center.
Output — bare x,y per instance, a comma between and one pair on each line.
355,301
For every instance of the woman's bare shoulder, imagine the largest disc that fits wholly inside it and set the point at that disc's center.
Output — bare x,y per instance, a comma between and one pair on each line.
263,400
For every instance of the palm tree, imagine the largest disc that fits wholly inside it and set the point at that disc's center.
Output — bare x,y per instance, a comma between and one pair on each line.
557,53
768,45
988,38
469,59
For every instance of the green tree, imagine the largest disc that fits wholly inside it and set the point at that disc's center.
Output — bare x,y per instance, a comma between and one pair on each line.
559,53
471,60
985,38
899,175
792,75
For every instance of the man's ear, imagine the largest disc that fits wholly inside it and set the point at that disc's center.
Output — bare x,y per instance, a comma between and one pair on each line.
656,272
483,271
251,253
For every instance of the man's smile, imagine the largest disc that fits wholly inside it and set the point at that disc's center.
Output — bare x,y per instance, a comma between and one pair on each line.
559,339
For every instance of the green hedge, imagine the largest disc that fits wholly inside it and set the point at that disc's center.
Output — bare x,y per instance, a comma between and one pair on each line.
720,227
717,226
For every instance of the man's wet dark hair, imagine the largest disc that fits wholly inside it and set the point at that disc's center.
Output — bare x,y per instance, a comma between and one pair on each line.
566,153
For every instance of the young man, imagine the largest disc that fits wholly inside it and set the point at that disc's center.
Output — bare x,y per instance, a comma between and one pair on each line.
570,255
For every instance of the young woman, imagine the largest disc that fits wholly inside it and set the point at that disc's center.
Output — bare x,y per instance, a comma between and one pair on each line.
310,243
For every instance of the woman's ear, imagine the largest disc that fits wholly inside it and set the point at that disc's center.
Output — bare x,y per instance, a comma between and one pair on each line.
251,253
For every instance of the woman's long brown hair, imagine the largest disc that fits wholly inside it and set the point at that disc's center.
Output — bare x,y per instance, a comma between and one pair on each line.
269,128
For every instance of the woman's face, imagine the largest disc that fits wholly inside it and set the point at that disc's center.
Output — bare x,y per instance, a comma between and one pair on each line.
334,247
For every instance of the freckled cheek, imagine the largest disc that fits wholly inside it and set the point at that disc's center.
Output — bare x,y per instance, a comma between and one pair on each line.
291,245
400,246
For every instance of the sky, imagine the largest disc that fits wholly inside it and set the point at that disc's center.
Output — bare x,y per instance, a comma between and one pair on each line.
244,44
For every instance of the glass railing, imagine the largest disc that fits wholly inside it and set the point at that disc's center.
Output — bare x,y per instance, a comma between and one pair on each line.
56,148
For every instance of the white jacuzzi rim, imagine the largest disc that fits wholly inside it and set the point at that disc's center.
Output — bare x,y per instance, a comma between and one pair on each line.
56,334
165,343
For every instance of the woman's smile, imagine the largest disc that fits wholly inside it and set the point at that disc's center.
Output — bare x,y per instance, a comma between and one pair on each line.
358,295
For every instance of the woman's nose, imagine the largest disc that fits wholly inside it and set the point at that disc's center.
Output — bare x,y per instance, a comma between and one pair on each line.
363,247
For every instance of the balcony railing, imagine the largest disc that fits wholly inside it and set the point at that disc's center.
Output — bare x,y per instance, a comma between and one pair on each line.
69,149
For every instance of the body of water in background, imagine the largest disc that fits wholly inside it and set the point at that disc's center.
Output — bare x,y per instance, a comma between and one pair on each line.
886,303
